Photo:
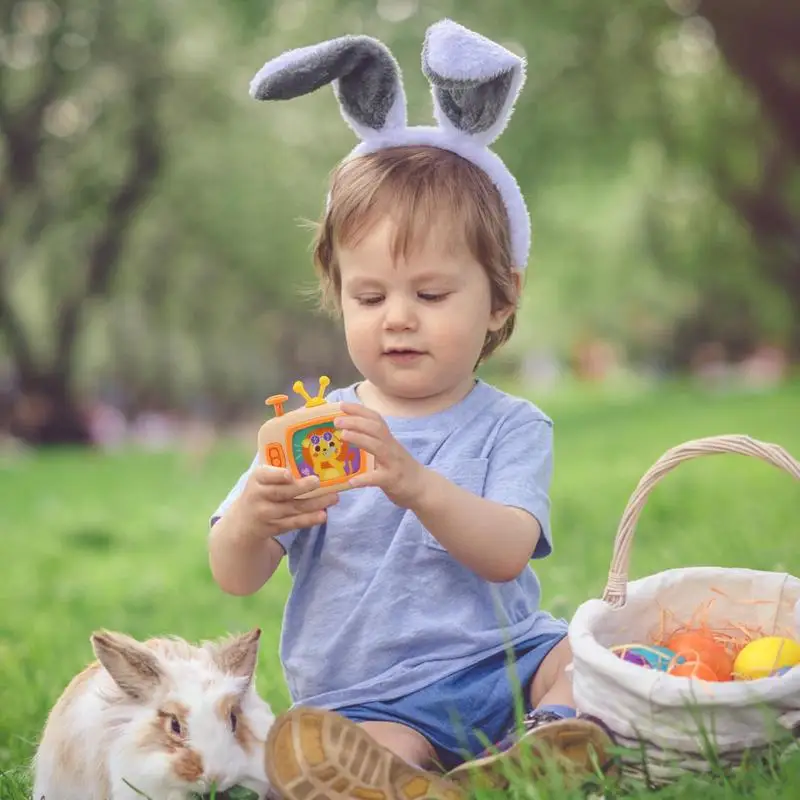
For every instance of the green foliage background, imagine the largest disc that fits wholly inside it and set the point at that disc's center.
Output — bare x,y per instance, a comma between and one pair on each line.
657,154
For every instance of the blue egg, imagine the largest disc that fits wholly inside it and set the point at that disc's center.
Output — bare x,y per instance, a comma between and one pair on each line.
657,657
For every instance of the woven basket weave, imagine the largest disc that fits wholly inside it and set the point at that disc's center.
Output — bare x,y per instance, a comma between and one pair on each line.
669,722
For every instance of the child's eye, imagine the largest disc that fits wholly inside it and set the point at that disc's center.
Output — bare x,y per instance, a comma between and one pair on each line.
432,297
370,299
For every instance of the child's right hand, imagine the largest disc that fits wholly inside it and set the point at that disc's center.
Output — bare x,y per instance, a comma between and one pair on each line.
269,506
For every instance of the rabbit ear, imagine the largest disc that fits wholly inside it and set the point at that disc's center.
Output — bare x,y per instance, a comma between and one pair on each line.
366,80
134,667
474,81
239,654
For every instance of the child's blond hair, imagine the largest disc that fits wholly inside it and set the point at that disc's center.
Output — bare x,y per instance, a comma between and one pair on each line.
420,187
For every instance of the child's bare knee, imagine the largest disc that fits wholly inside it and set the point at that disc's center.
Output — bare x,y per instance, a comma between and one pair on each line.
403,741
551,671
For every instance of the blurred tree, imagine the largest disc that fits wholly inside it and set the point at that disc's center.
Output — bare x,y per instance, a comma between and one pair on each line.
150,252
80,90
761,44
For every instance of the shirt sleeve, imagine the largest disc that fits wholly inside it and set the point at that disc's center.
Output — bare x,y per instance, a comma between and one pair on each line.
520,471
284,539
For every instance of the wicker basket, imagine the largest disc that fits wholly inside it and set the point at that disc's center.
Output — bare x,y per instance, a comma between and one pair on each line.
670,724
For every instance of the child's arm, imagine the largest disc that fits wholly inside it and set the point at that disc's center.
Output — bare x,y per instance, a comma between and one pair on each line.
241,561
495,541
496,534
243,553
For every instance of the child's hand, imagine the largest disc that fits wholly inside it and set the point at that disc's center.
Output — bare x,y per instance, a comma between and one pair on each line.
396,471
269,506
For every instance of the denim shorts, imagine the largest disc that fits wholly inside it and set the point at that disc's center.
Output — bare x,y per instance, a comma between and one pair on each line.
463,713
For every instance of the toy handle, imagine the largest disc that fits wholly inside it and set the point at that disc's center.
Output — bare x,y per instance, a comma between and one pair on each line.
616,588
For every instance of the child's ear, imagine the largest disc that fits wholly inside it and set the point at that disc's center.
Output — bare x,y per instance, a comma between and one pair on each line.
501,315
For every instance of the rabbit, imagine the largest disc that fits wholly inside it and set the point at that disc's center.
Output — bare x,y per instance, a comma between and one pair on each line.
162,719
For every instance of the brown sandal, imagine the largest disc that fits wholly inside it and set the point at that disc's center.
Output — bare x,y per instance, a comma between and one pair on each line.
314,754
575,747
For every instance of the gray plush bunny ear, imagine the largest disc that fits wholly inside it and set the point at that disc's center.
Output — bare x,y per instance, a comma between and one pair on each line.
366,80
474,81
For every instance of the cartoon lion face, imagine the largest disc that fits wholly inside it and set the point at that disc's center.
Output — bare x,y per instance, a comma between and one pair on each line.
322,444
325,452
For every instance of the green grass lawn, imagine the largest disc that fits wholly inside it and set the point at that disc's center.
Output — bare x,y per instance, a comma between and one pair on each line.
118,541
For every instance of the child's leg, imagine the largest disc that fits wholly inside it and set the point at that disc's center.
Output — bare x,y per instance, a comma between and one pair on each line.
551,685
552,727
312,753
403,741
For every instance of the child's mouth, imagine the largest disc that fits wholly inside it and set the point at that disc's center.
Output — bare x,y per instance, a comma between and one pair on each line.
403,354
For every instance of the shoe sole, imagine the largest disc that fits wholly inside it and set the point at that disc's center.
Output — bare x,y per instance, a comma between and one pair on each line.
576,746
313,754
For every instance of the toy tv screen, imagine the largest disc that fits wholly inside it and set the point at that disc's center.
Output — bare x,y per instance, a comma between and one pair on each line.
318,448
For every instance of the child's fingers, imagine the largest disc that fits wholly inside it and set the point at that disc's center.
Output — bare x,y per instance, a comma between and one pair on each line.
372,478
268,475
277,512
374,427
306,520
290,508
372,444
283,489
357,410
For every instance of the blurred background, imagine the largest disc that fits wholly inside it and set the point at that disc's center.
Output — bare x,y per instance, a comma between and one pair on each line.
155,261
153,250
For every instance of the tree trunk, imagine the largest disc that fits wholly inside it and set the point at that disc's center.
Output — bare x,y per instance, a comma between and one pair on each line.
45,412
761,43
46,409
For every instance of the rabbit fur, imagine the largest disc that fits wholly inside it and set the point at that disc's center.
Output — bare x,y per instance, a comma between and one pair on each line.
162,718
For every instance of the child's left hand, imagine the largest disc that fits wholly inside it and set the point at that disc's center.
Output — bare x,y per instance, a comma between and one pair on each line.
396,471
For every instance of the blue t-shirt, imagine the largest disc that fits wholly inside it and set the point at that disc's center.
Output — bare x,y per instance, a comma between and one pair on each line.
378,608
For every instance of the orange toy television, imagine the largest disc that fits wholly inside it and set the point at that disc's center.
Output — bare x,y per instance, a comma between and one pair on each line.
306,442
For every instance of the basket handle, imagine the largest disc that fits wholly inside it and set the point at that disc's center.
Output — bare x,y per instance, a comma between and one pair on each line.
617,586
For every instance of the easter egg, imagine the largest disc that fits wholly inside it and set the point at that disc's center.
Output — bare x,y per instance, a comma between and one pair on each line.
697,646
652,656
660,657
761,657
633,657
696,669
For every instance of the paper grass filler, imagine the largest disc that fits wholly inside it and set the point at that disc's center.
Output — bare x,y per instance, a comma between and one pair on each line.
474,85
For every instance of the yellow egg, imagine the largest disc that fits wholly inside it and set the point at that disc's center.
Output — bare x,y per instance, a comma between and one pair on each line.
762,657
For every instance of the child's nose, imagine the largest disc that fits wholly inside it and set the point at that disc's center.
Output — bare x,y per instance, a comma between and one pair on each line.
399,314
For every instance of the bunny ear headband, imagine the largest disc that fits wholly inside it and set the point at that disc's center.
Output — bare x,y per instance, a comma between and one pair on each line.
474,83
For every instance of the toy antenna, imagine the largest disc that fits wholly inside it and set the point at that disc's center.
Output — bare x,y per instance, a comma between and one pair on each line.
300,389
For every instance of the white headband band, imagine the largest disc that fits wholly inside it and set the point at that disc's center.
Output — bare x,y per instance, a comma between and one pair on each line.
474,84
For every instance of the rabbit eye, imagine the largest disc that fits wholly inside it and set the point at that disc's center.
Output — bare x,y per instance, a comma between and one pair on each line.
175,725
233,722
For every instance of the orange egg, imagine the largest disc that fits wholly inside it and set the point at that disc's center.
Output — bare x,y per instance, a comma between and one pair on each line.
696,669
698,646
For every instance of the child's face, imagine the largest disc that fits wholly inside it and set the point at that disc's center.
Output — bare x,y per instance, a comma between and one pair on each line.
415,327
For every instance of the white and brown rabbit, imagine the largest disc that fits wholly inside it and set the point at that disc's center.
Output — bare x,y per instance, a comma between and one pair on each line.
162,719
